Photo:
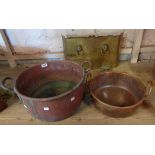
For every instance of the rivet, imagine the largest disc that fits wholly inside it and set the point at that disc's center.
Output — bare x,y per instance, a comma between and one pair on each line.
44,65
46,108
73,98
25,106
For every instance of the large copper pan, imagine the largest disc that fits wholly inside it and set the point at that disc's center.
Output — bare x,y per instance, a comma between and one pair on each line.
52,91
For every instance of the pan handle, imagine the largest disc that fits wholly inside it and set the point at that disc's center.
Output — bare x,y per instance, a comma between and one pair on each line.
89,66
87,71
88,77
148,91
4,86
149,88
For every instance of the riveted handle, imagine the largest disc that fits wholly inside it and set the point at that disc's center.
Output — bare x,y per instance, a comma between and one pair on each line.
148,92
149,88
87,70
4,85
88,77
84,64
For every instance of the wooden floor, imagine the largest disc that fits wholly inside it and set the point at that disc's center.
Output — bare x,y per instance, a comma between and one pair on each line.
86,114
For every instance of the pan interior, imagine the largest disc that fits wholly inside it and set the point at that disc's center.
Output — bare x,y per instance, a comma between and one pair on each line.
55,79
117,89
116,96
52,89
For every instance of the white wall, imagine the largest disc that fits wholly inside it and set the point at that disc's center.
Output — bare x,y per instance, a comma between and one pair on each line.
32,41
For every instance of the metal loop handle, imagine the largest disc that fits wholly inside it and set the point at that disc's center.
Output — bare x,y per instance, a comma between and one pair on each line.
4,86
149,88
88,77
89,68
148,92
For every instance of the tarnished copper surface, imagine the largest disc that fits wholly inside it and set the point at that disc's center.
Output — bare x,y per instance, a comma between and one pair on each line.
117,94
52,108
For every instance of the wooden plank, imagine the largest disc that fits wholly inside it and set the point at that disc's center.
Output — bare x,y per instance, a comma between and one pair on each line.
51,55
137,45
147,49
145,53
9,54
38,56
86,114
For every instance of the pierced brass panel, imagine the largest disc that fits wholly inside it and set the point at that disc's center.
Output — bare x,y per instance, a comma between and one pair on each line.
101,51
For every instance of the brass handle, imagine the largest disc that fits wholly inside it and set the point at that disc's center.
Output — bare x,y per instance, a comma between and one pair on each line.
105,49
89,66
88,77
79,50
148,92
87,71
149,88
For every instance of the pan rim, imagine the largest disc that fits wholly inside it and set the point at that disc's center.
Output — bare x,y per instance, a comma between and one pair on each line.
22,96
113,106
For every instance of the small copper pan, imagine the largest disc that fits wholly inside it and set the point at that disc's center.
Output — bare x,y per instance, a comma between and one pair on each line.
118,94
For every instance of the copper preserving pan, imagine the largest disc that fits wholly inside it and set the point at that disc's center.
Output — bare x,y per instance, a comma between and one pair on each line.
52,91
117,94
